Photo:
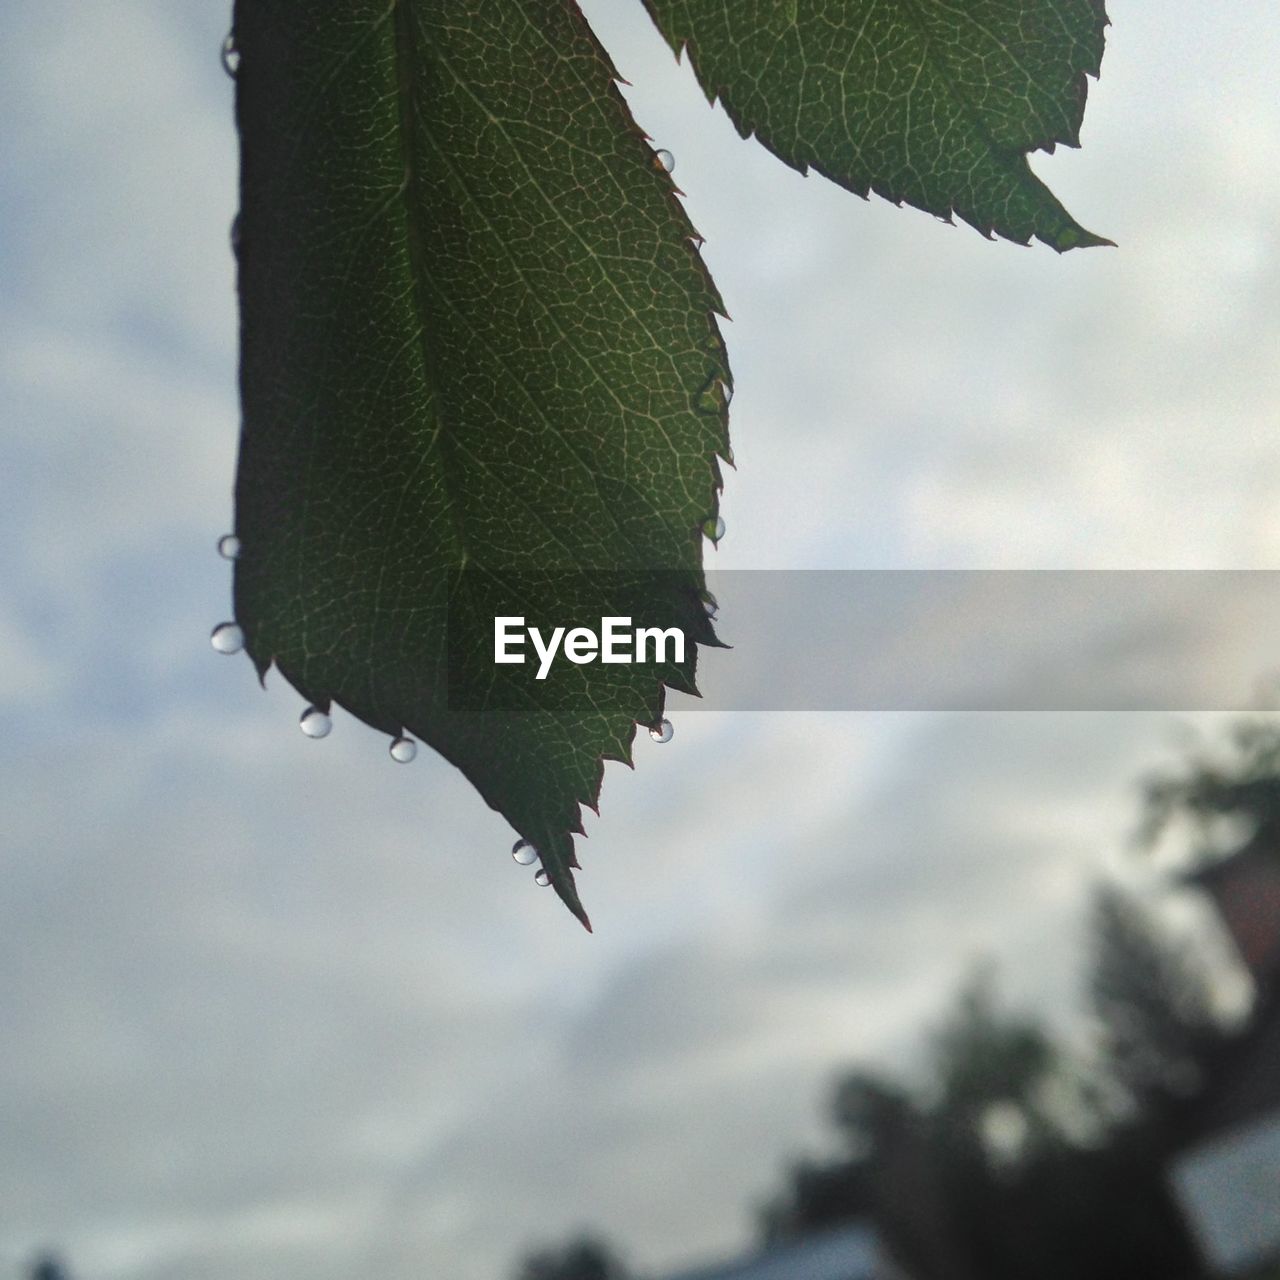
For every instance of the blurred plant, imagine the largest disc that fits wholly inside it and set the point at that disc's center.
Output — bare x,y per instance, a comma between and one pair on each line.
1152,997
1239,785
994,1074
586,1258
978,1170
48,1267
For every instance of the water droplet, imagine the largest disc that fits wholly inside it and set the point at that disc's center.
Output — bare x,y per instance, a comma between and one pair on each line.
663,731
710,605
524,853
229,546
713,397
226,637
665,160
230,55
403,750
235,235
314,723
542,878
713,527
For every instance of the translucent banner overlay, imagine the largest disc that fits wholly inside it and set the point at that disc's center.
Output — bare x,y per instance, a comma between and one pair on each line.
976,640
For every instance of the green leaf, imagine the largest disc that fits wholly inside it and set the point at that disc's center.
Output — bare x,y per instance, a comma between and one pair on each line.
931,102
478,352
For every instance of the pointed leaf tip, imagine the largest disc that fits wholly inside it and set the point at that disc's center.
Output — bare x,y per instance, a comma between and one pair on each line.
931,104
383,211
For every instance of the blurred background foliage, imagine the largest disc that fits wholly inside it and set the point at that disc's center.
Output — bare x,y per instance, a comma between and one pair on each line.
1016,1152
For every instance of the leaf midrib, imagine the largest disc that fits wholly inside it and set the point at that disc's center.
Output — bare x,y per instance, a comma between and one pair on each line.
404,47
409,121
406,62
1014,162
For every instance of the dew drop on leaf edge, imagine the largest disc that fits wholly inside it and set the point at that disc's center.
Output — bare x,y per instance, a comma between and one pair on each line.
713,527
230,55
314,723
229,546
227,637
710,606
524,853
665,159
542,878
403,749
663,731
713,398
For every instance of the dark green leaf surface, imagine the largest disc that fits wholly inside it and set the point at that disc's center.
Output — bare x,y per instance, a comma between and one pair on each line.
477,340
931,102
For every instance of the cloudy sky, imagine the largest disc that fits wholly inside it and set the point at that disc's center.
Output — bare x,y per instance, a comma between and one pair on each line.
278,1008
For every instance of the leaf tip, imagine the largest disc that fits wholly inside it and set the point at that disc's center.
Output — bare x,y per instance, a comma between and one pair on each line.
569,896
260,665
1078,238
